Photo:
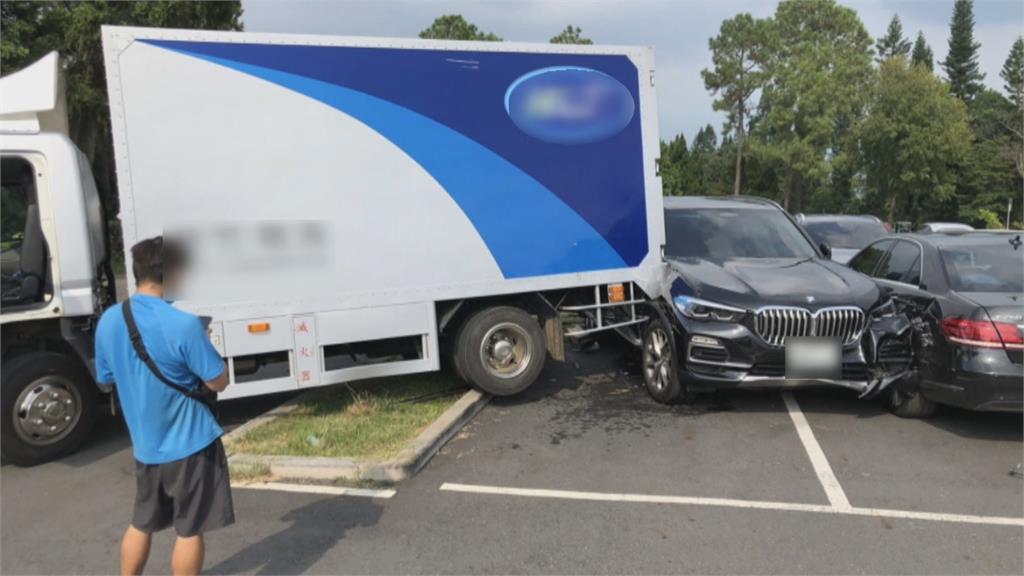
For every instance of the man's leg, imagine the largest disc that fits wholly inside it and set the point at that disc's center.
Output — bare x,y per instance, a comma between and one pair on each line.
134,551
188,555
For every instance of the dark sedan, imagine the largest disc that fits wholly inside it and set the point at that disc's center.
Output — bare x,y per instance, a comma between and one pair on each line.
749,301
969,325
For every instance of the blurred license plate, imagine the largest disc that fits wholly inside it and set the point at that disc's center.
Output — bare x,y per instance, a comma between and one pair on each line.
813,358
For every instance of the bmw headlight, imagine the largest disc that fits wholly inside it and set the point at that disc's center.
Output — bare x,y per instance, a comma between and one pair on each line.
705,310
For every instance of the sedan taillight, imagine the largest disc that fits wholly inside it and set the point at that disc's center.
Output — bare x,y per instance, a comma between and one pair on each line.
982,333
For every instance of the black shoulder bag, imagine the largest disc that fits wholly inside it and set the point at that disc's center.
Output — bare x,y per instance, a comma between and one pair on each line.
201,393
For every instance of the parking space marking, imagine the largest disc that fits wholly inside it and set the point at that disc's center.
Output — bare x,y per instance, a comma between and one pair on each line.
836,497
317,489
728,503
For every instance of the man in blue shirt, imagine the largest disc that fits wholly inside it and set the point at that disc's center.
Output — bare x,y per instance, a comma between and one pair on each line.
181,469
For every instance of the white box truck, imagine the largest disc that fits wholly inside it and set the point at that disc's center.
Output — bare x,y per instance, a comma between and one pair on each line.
353,208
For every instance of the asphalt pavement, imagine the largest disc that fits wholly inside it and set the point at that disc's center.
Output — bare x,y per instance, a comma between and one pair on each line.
585,474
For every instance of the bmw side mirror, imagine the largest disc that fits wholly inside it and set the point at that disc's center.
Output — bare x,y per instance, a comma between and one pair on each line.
826,250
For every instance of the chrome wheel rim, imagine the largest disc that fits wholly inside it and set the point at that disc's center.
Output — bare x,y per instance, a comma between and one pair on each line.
505,350
657,359
47,411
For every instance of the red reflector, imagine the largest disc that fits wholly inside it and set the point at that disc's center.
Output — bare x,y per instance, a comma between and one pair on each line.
982,333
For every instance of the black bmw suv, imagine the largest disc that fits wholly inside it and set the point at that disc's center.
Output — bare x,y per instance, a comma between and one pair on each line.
750,301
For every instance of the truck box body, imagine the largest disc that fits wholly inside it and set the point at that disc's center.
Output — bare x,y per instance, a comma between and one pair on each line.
334,190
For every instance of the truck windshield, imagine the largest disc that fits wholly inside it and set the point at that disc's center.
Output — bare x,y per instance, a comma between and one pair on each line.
997,265
849,234
726,233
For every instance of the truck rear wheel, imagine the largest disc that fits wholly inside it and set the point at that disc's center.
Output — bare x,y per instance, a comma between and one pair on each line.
49,407
500,350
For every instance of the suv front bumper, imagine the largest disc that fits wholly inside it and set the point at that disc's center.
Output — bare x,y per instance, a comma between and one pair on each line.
717,355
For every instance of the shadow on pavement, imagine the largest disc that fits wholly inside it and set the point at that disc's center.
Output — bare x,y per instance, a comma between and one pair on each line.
315,528
998,426
602,388
110,434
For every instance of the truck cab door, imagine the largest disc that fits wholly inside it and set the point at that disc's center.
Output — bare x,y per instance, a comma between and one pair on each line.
24,253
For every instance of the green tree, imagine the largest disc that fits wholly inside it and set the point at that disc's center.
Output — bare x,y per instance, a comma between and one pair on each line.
455,27
32,29
922,55
571,35
708,170
738,54
993,172
674,167
961,63
1013,74
893,43
820,70
912,138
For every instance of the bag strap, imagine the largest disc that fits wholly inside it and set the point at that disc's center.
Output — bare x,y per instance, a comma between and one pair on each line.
140,349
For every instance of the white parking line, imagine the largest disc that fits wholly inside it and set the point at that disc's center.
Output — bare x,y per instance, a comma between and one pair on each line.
729,503
317,489
836,496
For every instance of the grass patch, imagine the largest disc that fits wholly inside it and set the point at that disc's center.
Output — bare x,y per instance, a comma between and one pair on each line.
250,472
372,419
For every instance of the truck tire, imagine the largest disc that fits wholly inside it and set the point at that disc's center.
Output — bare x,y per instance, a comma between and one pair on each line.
909,404
500,350
49,404
660,372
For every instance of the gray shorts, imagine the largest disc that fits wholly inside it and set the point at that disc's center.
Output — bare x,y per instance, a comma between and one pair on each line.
193,494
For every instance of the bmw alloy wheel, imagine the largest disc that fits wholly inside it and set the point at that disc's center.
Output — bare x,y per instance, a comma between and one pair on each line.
657,358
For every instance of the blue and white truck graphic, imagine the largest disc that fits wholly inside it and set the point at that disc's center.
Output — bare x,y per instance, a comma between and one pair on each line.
359,206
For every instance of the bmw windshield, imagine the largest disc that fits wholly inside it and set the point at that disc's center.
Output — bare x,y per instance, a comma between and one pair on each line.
728,233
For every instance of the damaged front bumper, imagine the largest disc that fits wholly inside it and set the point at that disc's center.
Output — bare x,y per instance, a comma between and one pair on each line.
717,355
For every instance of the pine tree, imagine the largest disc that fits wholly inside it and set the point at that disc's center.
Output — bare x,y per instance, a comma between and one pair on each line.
961,63
571,35
893,43
738,54
922,54
1013,74
455,27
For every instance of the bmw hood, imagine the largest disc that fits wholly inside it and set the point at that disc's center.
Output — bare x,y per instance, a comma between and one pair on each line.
752,283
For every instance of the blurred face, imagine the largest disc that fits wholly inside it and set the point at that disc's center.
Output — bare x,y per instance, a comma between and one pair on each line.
173,280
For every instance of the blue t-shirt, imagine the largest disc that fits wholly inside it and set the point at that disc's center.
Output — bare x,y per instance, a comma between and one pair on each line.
164,424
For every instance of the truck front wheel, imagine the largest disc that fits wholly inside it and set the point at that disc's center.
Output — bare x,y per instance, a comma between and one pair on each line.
49,407
501,350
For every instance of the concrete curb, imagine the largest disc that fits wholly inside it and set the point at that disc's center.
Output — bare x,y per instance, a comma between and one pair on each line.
409,461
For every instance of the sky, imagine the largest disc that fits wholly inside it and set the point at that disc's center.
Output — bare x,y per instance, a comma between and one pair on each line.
678,30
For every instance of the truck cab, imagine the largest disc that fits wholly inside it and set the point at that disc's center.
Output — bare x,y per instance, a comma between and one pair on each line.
56,271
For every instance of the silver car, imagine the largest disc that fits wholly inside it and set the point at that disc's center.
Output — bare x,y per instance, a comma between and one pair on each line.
844,234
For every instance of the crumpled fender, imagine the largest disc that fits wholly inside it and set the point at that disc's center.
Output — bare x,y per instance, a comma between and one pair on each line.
894,321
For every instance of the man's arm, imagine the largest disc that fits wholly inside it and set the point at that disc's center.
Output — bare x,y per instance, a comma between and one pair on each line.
219,383
203,359
104,374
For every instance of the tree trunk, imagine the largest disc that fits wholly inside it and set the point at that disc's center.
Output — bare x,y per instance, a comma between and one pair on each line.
739,153
786,188
797,198
892,212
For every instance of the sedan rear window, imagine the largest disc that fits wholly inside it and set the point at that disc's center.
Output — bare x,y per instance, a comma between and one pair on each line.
997,265
849,234
725,233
